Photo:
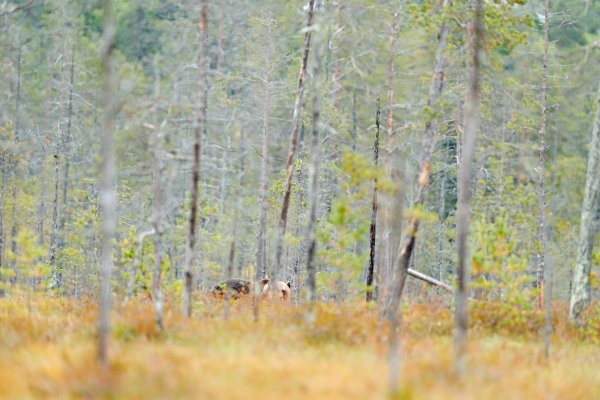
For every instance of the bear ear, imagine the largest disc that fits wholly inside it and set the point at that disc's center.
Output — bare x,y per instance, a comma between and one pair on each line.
264,281
289,284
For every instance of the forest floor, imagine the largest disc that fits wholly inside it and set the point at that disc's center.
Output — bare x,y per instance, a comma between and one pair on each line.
47,350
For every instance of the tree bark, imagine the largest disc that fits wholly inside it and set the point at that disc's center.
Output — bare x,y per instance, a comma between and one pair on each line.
373,227
313,184
391,220
107,190
293,145
199,127
66,142
471,123
543,284
54,234
405,250
580,292
15,228
261,250
157,194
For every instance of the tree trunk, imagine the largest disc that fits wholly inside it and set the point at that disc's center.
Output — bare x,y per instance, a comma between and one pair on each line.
391,219
580,292
66,155
287,187
199,127
15,228
543,284
107,190
157,194
54,283
261,250
2,206
373,228
471,123
313,184
405,250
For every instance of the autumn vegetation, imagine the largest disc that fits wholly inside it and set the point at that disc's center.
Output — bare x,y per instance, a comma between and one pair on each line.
319,199
49,347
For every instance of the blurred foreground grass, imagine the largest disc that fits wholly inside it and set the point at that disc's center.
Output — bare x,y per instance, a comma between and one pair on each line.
47,350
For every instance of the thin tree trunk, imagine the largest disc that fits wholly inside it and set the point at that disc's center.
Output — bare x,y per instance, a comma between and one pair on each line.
337,72
406,248
261,252
2,206
242,157
542,273
471,122
67,157
354,122
581,290
313,184
390,216
373,228
287,187
107,190
199,127
54,234
157,192
228,276
15,229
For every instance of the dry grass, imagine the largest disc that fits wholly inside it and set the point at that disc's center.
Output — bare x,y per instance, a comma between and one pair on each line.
47,351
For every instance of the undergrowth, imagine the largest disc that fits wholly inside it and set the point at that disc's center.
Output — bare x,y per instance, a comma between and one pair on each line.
47,350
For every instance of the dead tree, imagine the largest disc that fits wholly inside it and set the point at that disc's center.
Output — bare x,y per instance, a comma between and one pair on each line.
313,184
373,227
261,250
580,293
471,124
543,284
391,222
199,127
107,189
156,145
405,250
287,186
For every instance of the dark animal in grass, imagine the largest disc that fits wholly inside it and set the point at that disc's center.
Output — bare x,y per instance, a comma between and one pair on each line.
236,288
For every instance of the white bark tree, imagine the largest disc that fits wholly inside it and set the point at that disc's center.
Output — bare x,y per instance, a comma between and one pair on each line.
580,292
107,189
471,123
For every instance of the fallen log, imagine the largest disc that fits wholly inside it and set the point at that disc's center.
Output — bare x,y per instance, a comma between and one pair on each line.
430,280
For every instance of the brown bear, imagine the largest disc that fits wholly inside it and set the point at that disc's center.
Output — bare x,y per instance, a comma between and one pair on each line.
237,288
279,290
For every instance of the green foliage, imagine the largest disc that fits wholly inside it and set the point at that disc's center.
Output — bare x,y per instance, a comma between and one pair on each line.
499,266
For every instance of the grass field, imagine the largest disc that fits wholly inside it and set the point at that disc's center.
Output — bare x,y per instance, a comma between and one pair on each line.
47,350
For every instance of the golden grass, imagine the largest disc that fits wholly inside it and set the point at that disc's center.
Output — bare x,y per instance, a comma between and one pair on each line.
47,350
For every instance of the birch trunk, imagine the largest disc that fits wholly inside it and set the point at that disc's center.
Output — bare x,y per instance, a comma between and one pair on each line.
471,123
199,127
580,292
157,194
261,250
313,175
405,250
391,223
107,189
543,283
293,145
